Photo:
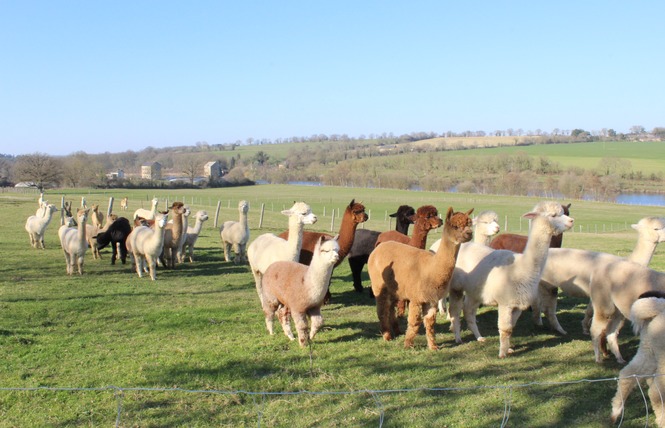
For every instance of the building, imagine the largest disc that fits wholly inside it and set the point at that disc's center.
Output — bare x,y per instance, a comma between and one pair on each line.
151,171
212,170
116,175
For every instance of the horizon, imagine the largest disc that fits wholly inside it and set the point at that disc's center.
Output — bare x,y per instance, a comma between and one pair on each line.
98,78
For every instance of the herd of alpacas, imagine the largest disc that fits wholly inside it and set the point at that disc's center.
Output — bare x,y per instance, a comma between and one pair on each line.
469,266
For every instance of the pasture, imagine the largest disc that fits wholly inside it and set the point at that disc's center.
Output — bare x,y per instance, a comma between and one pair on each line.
191,349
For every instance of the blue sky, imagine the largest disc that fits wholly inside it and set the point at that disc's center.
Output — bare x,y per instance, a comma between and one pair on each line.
124,75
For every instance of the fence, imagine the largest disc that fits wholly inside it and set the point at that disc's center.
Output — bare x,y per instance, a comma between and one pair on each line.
119,393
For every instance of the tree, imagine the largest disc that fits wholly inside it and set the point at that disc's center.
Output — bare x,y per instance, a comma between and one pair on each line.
659,132
38,168
261,157
190,166
637,129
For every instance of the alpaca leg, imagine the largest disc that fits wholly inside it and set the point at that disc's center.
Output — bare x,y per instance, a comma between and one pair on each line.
138,264
227,251
356,264
613,336
284,315
638,365
471,306
401,308
316,321
456,301
430,320
657,396
269,312
383,311
79,264
548,300
414,320
259,287
190,253
598,332
300,320
507,319
538,304
588,316
152,266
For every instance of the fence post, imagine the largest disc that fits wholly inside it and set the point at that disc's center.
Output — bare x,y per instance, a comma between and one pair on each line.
219,205
261,216
332,221
505,225
62,211
110,209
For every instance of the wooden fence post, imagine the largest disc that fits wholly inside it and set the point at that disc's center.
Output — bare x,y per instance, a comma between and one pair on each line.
261,216
110,208
219,205
332,221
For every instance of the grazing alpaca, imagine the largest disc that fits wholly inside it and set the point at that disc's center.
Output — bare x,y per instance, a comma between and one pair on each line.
235,234
504,278
517,243
146,214
648,317
124,204
269,248
401,272
36,226
570,270
192,235
296,290
174,234
364,242
96,217
426,219
73,242
115,234
146,245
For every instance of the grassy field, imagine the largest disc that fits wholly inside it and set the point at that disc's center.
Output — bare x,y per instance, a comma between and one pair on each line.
191,348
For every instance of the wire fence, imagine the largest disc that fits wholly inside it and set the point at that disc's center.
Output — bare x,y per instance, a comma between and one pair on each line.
119,395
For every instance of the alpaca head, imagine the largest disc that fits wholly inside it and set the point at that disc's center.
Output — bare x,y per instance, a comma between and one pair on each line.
161,220
243,207
51,209
651,229
357,211
327,250
427,218
82,215
404,214
458,226
95,208
487,223
302,212
178,208
558,221
154,202
202,216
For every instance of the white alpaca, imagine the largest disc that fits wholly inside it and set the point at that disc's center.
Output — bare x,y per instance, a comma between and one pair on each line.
570,270
74,243
36,225
297,290
648,317
269,248
147,214
192,235
43,206
146,245
235,234
503,278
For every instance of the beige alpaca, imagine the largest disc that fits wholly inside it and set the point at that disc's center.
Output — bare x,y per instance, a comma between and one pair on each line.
74,243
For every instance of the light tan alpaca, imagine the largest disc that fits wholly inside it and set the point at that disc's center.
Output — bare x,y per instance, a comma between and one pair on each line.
400,272
124,204
73,242
174,233
235,235
293,289
648,317
36,226
96,217
146,245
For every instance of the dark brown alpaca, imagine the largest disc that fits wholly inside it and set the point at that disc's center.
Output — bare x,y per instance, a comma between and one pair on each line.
401,272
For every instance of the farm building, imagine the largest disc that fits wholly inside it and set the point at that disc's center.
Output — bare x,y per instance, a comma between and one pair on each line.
151,171
212,170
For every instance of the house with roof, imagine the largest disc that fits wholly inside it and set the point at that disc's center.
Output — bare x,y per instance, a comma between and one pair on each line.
213,170
151,171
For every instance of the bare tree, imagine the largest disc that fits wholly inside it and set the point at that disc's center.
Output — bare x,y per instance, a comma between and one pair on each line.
38,168
190,166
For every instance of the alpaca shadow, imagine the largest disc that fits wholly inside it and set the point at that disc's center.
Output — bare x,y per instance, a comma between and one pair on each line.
351,298
360,330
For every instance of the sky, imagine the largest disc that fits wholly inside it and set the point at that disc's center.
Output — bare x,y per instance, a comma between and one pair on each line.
112,76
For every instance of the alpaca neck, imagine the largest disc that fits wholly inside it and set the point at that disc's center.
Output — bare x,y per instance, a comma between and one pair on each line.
294,240
176,231
347,232
538,243
197,226
419,237
81,232
643,251
243,220
481,239
318,278
402,227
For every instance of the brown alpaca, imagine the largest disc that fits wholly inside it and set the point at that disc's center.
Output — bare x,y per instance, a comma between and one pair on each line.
401,272
354,214
173,235
517,243
426,219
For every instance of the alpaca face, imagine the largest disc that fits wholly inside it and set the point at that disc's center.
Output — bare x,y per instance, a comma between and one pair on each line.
487,223
243,207
161,221
459,225
302,211
328,251
651,229
358,211
202,216
554,212
427,217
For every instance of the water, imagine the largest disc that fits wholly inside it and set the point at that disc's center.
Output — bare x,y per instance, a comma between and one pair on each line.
654,199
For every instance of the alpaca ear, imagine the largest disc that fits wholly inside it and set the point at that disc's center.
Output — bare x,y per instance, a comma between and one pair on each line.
353,201
469,212
286,212
336,238
634,226
530,215
449,214
393,215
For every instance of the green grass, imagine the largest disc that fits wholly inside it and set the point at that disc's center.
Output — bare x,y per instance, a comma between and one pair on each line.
200,328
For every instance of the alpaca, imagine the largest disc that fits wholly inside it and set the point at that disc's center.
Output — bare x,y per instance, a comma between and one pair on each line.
192,235
504,278
296,290
74,243
269,248
84,204
364,242
116,234
147,214
91,236
426,219
517,243
401,272
146,245
614,287
570,270
36,226
235,234
43,206
96,217
648,317
124,204
173,235
354,214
